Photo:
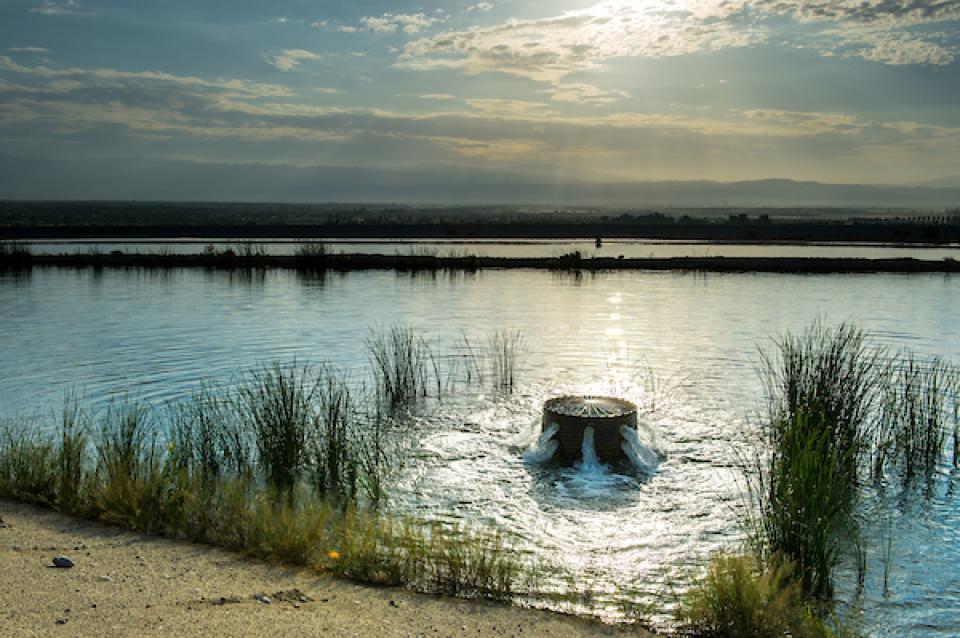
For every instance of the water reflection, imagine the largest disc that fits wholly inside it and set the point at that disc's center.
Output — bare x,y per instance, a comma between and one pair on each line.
682,347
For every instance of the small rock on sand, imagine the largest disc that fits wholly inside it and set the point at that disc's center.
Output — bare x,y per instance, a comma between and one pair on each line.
62,562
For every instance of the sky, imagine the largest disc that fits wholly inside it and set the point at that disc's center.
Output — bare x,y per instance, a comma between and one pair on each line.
864,91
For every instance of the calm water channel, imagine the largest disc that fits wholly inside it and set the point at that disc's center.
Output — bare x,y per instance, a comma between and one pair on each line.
684,346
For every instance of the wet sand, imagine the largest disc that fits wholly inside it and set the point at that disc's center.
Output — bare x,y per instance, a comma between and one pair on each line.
129,584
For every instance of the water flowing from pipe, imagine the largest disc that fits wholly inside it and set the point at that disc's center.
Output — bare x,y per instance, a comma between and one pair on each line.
543,449
643,456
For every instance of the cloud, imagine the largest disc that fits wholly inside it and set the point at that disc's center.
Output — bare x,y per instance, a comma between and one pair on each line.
888,46
390,22
554,48
480,7
76,78
290,59
104,107
28,50
893,32
67,7
508,107
429,96
901,12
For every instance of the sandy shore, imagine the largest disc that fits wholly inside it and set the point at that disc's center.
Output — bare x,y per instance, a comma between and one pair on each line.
128,584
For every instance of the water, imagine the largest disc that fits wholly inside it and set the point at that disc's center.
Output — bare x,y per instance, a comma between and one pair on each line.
683,347
628,248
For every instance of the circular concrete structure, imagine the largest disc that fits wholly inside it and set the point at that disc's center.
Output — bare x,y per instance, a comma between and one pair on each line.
574,414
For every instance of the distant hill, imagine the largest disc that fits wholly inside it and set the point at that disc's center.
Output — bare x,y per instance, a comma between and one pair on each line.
170,180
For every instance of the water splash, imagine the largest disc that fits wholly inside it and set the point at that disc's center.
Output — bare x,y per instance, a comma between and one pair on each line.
590,463
543,449
644,456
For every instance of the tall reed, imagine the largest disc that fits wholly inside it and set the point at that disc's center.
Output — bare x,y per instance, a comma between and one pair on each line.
822,391
505,348
276,402
839,412
405,367
918,416
175,489
312,251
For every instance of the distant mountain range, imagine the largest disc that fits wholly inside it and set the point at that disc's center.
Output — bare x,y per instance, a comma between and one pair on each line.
175,180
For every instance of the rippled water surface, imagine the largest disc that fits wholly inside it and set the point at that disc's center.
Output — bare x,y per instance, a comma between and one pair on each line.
683,346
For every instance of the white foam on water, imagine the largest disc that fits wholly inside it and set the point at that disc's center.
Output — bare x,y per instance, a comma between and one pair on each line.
543,449
590,477
590,463
643,455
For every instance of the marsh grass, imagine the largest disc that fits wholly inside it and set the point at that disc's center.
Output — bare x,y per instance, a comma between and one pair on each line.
277,403
312,251
919,414
840,412
249,250
505,350
193,486
741,596
472,359
405,367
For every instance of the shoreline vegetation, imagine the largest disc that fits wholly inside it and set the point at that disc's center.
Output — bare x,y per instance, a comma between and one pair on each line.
293,463
312,257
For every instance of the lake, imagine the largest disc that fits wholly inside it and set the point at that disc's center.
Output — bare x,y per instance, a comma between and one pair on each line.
684,346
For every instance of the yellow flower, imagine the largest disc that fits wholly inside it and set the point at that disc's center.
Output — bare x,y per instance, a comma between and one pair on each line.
333,554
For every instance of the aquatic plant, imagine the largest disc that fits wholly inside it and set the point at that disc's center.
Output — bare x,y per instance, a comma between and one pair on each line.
822,389
741,596
276,402
248,250
402,364
72,452
918,409
505,349
840,411
138,482
312,251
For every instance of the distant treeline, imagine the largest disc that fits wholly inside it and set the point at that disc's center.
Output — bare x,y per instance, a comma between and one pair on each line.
103,220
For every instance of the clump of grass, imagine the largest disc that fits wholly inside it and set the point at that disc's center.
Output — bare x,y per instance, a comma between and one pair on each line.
276,402
312,250
804,503
404,365
71,453
739,596
505,348
15,253
249,250
207,434
130,487
347,453
840,411
27,465
822,391
919,408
